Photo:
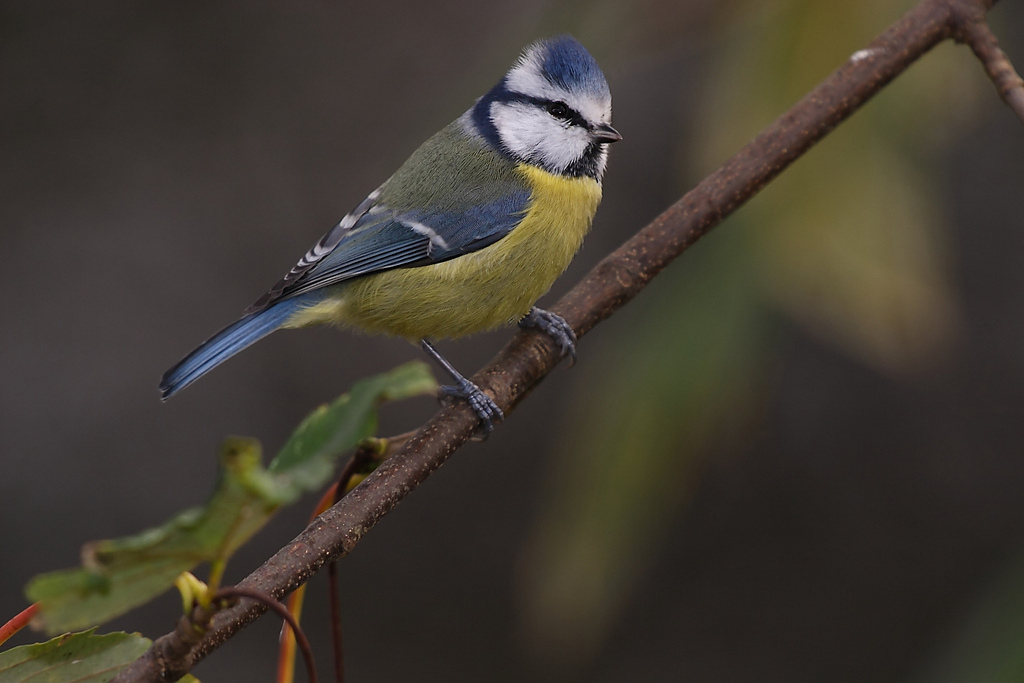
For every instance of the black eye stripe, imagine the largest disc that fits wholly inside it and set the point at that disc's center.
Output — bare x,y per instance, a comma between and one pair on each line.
561,110
570,115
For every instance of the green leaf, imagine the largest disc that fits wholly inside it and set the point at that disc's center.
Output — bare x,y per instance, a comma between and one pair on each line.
121,574
344,423
77,657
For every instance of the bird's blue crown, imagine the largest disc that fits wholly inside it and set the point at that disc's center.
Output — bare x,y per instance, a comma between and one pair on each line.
566,64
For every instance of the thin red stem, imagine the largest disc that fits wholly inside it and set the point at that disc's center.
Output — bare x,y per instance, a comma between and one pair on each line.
18,622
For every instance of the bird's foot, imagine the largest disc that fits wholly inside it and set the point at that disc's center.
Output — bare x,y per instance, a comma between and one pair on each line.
555,327
482,404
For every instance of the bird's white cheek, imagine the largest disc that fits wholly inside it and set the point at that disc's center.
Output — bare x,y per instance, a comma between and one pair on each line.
533,134
565,148
522,128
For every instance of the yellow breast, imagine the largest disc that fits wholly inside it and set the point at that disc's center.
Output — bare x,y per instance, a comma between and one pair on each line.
486,289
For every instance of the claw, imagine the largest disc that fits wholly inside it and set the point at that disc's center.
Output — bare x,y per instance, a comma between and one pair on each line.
482,404
555,327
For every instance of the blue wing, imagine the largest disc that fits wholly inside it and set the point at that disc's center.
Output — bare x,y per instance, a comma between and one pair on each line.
376,237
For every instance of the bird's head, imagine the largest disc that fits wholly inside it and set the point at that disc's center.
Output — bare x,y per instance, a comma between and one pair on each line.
552,109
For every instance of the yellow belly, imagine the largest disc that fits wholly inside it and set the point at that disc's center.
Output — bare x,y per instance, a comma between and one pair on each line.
486,289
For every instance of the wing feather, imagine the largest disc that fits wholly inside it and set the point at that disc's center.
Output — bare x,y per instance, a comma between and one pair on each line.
381,238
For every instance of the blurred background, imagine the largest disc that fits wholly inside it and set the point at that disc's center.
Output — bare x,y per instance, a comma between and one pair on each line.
795,457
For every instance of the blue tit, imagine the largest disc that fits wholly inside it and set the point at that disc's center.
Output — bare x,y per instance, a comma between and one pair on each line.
473,228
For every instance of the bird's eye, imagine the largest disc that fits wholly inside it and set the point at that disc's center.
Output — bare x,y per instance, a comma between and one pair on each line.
560,110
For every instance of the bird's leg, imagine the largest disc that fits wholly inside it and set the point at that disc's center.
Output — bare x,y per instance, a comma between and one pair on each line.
482,404
555,327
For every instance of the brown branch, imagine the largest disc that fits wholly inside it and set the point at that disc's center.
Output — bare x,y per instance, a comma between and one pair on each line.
972,29
524,362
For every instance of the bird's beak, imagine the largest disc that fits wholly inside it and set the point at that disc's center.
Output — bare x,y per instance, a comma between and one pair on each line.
605,133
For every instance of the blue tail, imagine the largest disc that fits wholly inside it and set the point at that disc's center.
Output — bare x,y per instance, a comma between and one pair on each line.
226,343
